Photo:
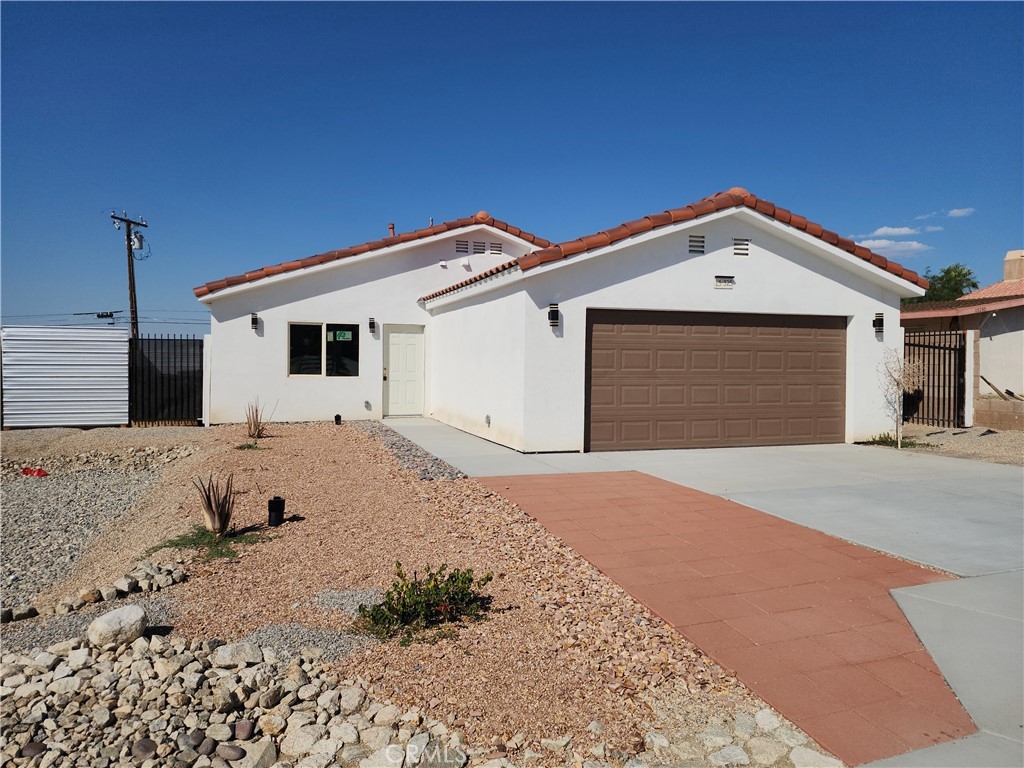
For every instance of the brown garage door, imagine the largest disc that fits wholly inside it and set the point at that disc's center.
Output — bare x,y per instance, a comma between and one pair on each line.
701,380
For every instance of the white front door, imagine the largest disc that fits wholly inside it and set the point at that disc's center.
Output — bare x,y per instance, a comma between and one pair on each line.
403,370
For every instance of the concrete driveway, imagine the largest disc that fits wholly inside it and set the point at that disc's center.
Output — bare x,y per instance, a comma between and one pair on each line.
962,516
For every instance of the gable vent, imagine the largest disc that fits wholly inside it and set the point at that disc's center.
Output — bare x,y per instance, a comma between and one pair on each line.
696,243
462,246
741,246
479,247
495,247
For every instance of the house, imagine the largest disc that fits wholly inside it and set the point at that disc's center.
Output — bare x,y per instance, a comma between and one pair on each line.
994,318
726,322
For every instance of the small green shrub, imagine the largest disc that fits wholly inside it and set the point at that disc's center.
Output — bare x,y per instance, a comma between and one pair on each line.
210,544
887,439
413,605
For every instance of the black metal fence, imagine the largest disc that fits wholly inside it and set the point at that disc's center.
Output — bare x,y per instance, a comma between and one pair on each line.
165,380
943,358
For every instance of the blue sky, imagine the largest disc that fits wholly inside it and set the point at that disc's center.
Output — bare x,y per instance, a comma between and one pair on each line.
250,134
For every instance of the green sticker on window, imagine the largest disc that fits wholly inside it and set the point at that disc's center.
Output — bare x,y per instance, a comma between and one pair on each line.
342,336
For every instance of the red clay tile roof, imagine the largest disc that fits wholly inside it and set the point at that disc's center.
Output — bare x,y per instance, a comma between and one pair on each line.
997,290
966,305
736,197
483,217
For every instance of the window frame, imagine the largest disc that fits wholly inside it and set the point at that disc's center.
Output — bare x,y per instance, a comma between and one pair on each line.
323,351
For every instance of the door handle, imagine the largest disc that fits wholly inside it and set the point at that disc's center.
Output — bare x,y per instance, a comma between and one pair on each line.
385,374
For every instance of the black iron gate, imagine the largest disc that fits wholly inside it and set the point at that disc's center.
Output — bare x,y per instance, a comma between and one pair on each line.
165,382
943,357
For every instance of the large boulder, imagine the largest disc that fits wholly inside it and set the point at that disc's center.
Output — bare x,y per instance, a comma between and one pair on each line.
118,627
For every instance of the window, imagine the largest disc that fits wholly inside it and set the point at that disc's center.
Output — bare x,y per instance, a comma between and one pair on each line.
342,350
316,347
305,350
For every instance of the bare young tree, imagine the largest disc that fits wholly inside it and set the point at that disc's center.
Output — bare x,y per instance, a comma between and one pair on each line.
898,376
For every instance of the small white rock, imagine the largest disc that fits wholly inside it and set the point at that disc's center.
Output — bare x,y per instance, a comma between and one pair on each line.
803,757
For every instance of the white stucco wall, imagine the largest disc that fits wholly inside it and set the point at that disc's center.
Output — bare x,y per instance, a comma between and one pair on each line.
384,285
478,367
782,275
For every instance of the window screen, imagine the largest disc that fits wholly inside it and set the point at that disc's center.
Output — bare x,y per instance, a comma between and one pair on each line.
342,350
305,349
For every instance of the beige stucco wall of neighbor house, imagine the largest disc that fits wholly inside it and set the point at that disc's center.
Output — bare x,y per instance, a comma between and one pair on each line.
384,285
785,273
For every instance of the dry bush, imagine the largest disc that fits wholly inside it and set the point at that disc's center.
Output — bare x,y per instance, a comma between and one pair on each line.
898,376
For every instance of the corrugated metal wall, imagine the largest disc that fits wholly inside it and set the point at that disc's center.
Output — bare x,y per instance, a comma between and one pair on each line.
56,376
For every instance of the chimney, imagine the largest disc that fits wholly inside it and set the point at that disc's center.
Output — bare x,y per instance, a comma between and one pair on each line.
391,230
1013,265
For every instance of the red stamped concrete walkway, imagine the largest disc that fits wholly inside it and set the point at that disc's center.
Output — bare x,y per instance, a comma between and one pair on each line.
805,619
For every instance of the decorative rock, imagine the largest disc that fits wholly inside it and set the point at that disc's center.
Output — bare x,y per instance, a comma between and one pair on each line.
108,593
244,730
767,720
595,728
90,595
635,762
346,733
102,716
195,737
803,757
731,755
388,757
272,725
376,738
24,612
33,748
6,615
237,655
79,659
556,745
230,752
715,736
118,627
351,699
765,751
415,748
744,725
308,692
260,754
219,732
299,741
144,749
655,741
206,747
387,715
126,585
318,760
789,737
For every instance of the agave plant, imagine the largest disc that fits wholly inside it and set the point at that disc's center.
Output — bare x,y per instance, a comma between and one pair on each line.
218,503
256,428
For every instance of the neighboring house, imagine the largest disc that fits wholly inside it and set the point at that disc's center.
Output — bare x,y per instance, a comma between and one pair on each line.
729,321
995,315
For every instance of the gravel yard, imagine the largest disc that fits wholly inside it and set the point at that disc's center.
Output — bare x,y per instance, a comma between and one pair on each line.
1000,447
563,649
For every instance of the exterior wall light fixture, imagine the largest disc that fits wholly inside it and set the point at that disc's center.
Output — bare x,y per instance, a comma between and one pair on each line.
373,325
879,323
254,321
553,316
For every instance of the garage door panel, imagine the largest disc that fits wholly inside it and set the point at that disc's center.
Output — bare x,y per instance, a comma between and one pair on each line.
670,380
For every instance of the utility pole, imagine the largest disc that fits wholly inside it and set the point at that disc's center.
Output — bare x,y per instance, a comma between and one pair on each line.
128,224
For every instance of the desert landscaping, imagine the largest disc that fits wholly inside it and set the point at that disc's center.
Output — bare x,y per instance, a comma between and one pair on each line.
254,660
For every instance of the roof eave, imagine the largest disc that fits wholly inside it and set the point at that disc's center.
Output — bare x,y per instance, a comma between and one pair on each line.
245,286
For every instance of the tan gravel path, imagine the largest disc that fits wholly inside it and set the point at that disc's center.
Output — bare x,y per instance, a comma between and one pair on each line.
980,443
